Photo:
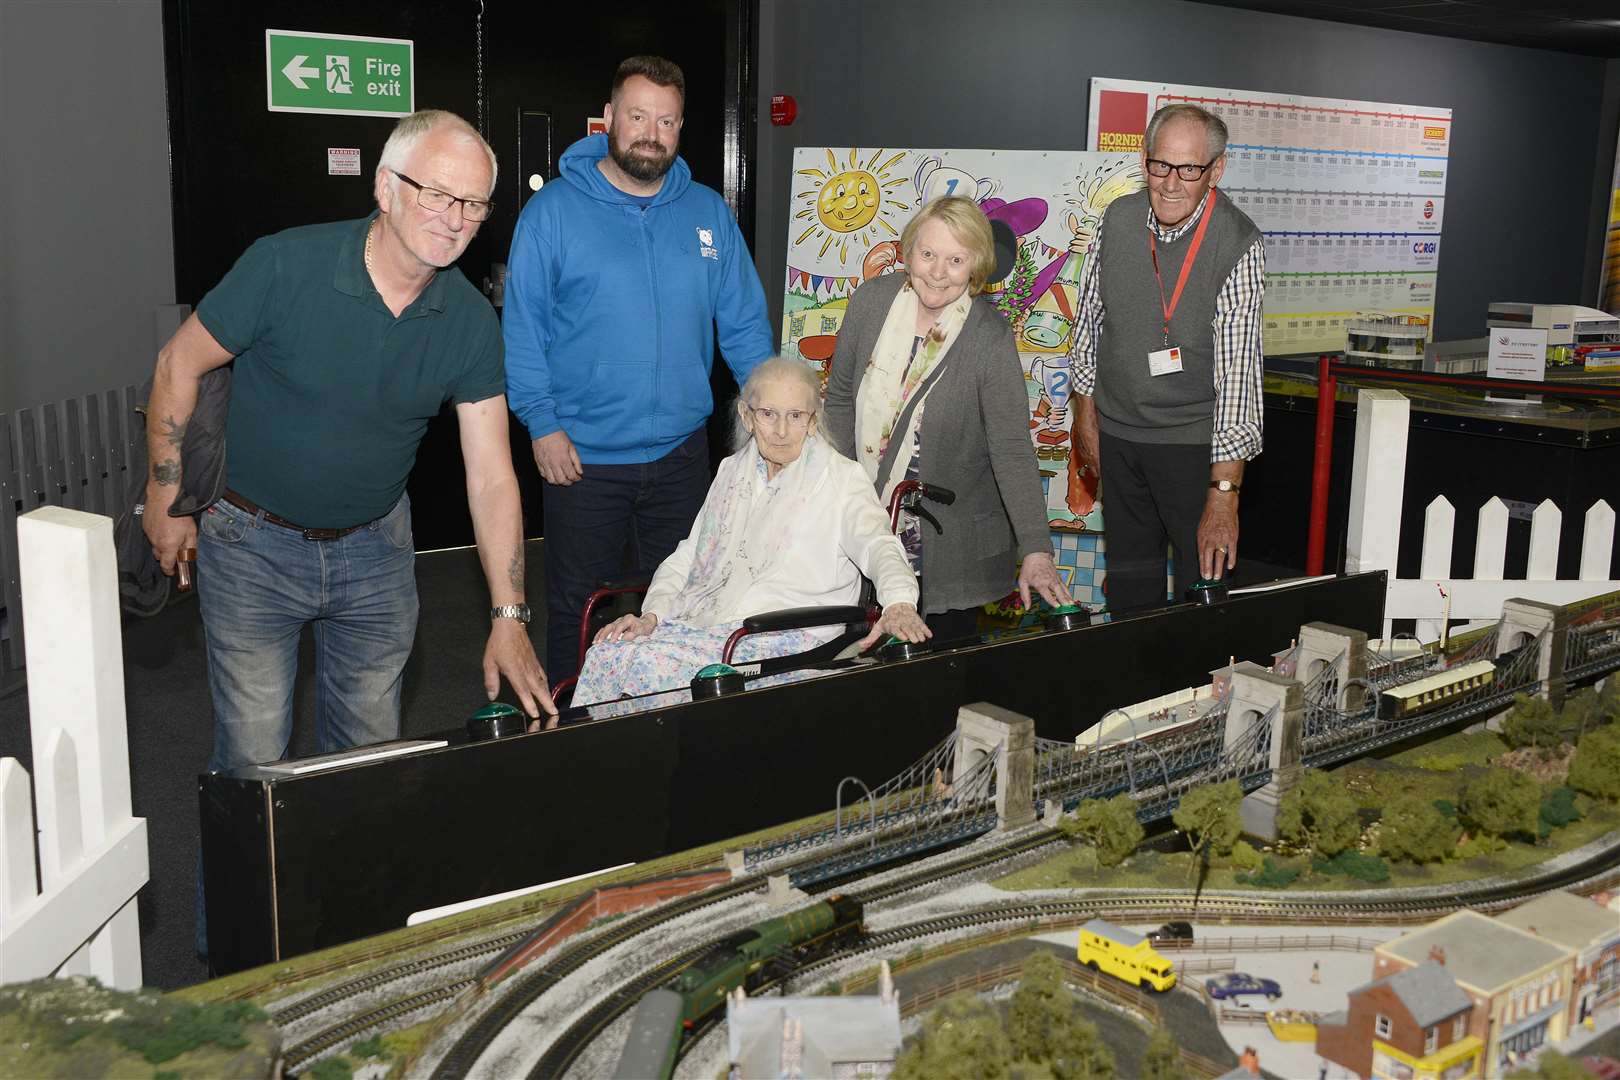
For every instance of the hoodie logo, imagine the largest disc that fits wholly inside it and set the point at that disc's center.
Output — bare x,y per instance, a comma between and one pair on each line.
706,246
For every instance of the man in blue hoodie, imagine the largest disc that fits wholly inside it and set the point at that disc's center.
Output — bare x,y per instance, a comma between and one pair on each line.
624,273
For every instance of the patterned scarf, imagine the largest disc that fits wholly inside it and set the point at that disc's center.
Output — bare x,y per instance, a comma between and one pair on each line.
892,377
743,528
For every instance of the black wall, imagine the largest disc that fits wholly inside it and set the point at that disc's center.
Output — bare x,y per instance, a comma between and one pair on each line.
1530,131
241,171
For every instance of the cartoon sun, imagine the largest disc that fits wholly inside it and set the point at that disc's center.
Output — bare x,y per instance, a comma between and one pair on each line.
848,202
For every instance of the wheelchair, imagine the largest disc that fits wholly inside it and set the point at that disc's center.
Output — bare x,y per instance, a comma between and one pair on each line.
617,597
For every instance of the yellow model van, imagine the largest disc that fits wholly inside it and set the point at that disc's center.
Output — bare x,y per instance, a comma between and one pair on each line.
1124,955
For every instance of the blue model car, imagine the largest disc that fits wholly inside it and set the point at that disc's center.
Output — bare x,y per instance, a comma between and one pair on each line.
1235,984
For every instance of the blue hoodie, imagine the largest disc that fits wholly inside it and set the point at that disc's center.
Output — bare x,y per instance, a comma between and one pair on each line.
611,310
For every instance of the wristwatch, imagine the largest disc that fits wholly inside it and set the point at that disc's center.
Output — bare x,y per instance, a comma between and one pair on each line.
1224,485
520,612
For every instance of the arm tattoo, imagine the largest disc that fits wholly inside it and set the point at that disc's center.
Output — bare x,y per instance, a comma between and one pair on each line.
166,473
514,569
174,433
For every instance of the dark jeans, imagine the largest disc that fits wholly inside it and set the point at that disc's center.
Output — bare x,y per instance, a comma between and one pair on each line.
1153,495
590,523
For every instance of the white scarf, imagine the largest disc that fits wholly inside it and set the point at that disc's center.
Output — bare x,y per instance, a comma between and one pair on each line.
888,384
742,530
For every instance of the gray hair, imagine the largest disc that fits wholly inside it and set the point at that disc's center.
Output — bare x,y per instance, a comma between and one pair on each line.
412,129
777,367
1215,133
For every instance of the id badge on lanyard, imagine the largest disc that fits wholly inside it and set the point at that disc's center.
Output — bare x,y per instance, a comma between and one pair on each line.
1167,361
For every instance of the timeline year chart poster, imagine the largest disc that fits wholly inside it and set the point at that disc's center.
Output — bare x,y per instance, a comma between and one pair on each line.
1350,196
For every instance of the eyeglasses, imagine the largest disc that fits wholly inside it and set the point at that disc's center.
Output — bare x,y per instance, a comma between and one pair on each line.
437,202
1189,172
795,417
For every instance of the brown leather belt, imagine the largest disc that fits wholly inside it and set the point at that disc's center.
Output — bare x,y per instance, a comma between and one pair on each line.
251,507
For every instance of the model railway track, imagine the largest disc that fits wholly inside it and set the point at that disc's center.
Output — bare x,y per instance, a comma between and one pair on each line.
336,995
976,861
459,1060
566,1049
295,1057
461,1057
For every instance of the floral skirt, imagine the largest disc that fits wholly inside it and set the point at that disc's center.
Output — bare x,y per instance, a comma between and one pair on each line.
655,670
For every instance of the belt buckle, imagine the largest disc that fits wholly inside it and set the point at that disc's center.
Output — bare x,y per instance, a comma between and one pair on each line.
322,534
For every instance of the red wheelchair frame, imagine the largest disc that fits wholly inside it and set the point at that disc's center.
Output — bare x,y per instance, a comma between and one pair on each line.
857,619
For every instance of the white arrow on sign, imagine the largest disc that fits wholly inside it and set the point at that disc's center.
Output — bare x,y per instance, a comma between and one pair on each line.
296,74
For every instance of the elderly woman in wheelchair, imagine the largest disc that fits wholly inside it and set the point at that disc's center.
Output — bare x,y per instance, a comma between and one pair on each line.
787,523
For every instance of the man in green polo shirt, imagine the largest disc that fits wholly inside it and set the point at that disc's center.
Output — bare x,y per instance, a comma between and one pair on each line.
347,339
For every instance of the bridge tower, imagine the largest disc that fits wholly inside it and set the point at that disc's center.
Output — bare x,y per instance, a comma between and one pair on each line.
982,728
1525,621
1343,649
1254,692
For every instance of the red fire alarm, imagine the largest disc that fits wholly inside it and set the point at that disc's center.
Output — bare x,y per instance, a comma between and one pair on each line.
784,110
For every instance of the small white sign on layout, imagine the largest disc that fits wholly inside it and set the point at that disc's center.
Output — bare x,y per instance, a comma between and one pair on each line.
1518,353
342,161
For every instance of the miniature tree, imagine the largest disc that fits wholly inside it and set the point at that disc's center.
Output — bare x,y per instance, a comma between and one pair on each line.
1209,816
1413,828
1078,1052
1109,825
1319,814
1609,700
1501,802
1045,1026
962,1039
1162,1060
1596,767
1039,1006
1532,722
1581,710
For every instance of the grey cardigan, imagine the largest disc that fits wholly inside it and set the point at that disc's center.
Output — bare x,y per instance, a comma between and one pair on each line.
974,440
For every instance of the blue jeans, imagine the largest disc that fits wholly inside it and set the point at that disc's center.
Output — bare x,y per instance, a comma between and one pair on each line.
259,584
650,507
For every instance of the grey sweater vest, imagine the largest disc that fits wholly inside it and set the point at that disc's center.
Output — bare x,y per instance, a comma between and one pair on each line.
1132,404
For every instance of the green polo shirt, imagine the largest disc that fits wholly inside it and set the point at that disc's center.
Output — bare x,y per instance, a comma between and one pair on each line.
332,393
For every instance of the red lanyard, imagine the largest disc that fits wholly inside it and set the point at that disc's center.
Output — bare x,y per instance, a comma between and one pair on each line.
1186,264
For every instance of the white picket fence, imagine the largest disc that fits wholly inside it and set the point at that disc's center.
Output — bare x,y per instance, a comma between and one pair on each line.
77,915
1378,482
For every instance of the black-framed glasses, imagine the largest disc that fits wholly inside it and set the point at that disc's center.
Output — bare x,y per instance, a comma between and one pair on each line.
436,201
1189,172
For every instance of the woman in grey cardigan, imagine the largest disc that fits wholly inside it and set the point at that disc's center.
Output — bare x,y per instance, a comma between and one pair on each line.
925,383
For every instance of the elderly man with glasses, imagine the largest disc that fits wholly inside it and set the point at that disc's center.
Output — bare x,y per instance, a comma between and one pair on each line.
347,339
1167,363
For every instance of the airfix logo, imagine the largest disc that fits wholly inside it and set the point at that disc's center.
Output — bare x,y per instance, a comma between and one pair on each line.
1428,209
1423,247
1434,133
706,246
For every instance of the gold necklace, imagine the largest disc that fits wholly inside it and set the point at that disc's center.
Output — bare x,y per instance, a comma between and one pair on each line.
371,232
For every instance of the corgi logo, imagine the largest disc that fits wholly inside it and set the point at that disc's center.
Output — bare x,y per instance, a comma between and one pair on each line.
706,246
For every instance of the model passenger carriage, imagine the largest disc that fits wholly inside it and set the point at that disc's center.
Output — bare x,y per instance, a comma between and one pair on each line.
1435,691
1125,955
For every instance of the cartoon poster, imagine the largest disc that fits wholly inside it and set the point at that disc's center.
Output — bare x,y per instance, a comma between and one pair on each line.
848,206
1350,196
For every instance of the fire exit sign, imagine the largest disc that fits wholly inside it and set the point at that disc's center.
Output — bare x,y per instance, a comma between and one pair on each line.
336,73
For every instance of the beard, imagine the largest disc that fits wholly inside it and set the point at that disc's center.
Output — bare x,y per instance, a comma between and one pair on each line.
643,161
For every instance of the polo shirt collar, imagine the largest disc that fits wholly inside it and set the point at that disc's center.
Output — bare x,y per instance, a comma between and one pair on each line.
349,275
1170,236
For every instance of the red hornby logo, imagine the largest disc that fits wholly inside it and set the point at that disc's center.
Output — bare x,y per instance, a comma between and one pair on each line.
1428,209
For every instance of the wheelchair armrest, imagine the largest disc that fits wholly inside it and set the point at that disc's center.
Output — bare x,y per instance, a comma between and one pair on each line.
800,618
626,583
